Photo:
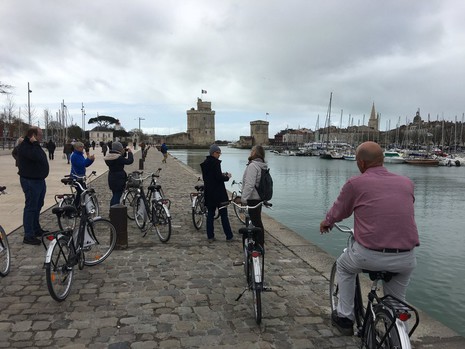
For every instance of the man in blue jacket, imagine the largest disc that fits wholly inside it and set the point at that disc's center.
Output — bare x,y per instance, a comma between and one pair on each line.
33,168
78,168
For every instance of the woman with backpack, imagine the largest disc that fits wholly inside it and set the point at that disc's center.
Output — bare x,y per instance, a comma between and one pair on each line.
250,182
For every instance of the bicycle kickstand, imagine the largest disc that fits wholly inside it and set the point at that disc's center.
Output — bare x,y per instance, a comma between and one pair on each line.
242,293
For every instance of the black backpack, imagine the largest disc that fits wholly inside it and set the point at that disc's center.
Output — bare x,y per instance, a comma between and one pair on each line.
265,186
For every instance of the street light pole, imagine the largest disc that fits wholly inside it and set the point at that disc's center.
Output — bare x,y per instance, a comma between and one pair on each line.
83,122
29,103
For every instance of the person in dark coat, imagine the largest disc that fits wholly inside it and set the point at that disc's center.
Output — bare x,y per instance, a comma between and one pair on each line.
68,150
215,192
117,177
33,168
51,146
104,148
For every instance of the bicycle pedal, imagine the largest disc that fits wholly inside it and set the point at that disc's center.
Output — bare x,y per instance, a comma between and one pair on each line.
238,263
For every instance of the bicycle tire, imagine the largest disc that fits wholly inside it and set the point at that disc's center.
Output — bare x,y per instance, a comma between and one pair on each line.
161,221
65,221
334,296
376,329
198,212
103,236
240,213
128,201
5,253
140,212
247,264
58,273
256,296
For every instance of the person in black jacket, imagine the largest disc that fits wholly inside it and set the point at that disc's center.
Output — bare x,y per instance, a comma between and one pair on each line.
33,168
215,192
117,177
51,146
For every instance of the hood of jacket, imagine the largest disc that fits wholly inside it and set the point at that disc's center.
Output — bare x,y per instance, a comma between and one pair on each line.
112,155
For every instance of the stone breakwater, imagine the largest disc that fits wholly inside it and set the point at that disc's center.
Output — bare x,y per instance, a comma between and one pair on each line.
180,294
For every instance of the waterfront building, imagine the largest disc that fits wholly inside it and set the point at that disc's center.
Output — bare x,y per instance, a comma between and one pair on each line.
258,135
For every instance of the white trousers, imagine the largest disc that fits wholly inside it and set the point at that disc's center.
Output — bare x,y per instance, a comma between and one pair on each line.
355,258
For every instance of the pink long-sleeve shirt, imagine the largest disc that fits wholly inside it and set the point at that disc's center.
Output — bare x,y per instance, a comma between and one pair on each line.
383,207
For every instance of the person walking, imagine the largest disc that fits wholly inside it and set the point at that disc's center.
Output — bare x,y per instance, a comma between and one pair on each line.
33,168
116,160
215,192
385,232
104,148
68,149
78,168
51,146
249,193
164,151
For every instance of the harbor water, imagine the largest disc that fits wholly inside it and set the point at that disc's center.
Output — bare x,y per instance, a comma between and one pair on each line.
305,188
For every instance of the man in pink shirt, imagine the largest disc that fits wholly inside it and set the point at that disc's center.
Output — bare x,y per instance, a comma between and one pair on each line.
385,232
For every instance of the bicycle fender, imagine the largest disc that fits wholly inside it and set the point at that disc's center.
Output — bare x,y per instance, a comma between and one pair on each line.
165,207
402,329
48,256
257,269
194,200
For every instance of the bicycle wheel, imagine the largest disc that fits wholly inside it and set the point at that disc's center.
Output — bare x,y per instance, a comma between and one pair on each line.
5,257
377,333
99,241
140,212
333,289
58,272
240,213
256,294
67,221
247,265
128,201
161,221
198,212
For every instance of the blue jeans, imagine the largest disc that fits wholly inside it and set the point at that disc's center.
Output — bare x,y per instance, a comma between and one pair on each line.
116,198
34,192
224,223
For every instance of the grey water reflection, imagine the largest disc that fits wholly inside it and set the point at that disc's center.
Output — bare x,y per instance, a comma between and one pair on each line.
305,188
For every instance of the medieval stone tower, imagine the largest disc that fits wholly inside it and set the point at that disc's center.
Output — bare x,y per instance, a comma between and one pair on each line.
373,121
259,132
201,124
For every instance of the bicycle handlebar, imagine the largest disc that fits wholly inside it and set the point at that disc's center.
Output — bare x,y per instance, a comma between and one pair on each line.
2,190
344,228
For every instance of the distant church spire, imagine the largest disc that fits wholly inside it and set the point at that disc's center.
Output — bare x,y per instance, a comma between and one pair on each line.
373,121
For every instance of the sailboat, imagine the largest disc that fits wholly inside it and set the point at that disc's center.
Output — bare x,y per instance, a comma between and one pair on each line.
327,153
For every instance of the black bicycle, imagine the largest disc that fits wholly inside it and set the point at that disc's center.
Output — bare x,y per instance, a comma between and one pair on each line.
254,255
89,244
153,207
5,253
133,183
91,204
383,323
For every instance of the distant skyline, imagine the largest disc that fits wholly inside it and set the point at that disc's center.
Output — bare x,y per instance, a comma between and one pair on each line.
152,60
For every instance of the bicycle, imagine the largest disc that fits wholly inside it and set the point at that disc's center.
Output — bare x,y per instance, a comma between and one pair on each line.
96,237
130,192
92,205
158,213
238,210
5,253
383,323
253,263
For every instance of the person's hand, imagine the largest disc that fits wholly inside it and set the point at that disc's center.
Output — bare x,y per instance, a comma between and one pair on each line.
324,227
92,157
129,150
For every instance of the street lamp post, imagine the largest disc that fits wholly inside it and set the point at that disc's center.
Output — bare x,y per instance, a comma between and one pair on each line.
83,122
140,131
29,103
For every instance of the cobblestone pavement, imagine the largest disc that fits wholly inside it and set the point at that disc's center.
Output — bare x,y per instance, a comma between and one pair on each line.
180,294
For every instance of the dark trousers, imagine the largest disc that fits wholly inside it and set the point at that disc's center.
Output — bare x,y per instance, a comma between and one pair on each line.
68,156
51,155
116,198
224,222
34,193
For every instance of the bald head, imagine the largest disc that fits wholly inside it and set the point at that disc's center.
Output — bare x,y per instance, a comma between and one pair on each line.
369,154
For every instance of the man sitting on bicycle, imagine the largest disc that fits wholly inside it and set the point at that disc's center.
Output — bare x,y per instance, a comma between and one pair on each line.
385,232
78,168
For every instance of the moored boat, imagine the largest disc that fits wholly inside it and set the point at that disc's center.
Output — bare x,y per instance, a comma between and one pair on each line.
393,157
422,161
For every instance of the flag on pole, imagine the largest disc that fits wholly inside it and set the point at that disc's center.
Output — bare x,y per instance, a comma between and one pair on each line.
204,91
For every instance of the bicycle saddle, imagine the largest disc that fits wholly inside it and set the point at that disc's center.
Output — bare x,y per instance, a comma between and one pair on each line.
199,187
380,275
154,187
67,180
67,210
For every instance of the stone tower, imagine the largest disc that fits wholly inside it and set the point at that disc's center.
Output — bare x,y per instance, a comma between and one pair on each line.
259,132
373,121
201,124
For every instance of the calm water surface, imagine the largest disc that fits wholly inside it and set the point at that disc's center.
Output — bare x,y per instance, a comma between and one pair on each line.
305,188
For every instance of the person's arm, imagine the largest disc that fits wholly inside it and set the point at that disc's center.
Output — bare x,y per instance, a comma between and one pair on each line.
248,181
130,159
342,208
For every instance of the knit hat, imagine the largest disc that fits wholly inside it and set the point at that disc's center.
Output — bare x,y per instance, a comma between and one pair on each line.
214,148
117,146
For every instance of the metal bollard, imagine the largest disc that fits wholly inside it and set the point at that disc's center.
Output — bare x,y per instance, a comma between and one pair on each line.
119,219
141,164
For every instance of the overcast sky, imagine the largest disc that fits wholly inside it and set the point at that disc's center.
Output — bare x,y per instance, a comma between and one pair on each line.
151,59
